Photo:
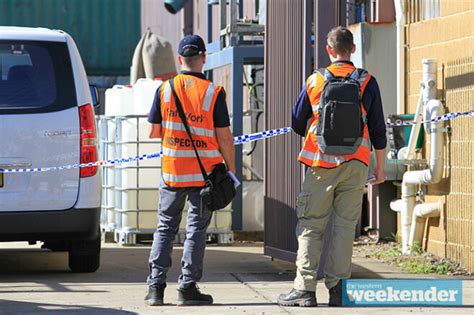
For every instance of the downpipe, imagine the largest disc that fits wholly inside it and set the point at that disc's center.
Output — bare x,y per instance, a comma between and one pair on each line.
432,175
420,213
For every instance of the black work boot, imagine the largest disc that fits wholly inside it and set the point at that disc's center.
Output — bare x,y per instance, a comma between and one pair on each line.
155,295
193,296
298,298
335,295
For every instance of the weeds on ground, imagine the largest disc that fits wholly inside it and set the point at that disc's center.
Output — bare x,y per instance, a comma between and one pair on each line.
418,262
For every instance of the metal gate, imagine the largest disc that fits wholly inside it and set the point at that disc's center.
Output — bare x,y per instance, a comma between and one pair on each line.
289,55
285,54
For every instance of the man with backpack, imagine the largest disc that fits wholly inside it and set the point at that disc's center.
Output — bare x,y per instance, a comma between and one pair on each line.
339,112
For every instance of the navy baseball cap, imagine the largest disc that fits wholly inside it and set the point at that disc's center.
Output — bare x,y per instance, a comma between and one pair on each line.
191,45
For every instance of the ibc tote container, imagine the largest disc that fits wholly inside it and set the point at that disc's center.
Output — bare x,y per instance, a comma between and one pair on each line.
118,101
136,183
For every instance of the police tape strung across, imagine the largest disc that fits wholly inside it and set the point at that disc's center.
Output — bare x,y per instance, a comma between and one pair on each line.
237,140
447,116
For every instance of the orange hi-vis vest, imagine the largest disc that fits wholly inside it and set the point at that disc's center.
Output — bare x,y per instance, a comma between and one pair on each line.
311,155
180,166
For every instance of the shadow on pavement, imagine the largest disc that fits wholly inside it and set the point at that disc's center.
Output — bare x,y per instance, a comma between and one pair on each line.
39,308
130,265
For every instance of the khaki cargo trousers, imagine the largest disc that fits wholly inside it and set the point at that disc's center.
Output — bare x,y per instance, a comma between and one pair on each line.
338,190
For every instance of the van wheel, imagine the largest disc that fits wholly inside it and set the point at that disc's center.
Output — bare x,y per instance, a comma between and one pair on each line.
84,263
84,256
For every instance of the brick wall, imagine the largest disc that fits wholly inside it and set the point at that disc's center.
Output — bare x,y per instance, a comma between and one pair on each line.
450,40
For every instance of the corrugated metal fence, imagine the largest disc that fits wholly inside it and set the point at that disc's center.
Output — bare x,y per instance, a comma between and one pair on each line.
286,66
106,31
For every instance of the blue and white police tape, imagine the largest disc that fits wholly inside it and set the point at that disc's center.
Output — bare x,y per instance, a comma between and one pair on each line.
237,140
447,116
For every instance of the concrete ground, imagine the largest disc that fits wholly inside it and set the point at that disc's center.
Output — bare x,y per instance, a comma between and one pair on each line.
240,278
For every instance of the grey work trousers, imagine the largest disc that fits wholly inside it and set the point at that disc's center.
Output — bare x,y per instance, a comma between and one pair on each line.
324,190
170,211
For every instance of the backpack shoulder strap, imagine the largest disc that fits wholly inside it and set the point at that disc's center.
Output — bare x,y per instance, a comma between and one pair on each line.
360,75
325,73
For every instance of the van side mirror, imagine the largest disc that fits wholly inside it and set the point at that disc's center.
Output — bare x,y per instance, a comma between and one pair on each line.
95,95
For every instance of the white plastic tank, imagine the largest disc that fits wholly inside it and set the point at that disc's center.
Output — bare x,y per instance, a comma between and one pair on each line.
119,100
223,219
144,92
253,206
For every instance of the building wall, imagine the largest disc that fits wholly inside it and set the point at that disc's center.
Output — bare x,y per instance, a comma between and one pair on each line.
449,39
376,52
106,32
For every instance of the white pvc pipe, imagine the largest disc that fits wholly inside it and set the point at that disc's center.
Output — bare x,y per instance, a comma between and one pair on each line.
396,205
400,17
430,70
435,172
420,213
406,214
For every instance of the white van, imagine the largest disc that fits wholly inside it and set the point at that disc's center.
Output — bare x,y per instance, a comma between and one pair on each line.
47,119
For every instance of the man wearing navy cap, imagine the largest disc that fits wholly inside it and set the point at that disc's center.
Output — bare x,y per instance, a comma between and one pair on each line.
206,113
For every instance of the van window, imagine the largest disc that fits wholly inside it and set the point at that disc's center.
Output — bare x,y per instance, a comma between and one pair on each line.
35,76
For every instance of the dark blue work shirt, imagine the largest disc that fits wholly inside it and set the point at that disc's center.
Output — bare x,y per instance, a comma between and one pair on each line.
220,114
372,101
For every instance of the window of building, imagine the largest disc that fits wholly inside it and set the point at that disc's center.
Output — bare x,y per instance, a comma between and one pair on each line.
420,10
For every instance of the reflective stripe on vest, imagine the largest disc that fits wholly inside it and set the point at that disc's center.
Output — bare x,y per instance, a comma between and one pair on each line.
190,153
167,92
313,79
177,126
209,95
207,98
334,159
182,178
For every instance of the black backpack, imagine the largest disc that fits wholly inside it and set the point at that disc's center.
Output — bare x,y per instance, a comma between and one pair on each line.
341,122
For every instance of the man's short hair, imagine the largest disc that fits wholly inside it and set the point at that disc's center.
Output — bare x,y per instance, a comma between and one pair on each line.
192,61
341,40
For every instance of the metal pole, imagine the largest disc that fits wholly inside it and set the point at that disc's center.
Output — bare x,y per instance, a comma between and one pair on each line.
209,74
233,21
209,23
307,52
237,128
188,18
223,12
323,22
